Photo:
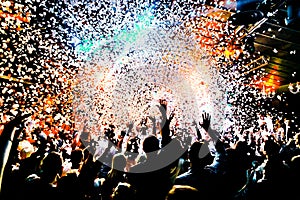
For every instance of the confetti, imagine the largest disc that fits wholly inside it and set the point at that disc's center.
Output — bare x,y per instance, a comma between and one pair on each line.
111,61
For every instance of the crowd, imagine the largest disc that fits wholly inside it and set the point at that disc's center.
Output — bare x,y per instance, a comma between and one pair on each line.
256,164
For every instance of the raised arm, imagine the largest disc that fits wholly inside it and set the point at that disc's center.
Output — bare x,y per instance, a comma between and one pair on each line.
153,119
199,136
165,123
206,119
8,140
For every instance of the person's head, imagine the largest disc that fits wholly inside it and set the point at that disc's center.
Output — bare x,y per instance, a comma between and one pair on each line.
295,165
198,153
183,192
119,161
241,147
51,166
150,144
220,147
124,191
25,149
77,157
271,147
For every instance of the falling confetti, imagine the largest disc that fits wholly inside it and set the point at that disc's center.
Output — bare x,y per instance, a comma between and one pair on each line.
109,62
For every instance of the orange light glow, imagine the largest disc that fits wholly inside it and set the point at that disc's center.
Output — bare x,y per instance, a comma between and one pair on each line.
15,16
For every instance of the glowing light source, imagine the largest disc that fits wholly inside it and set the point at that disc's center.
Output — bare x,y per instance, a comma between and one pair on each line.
294,88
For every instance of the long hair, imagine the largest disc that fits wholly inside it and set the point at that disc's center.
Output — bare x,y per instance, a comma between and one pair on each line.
117,167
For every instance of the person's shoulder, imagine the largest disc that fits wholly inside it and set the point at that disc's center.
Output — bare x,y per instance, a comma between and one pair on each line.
137,167
183,175
70,176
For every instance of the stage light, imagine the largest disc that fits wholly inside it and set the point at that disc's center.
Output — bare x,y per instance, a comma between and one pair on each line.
293,11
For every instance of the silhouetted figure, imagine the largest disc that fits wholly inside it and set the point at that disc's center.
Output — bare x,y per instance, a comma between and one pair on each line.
149,183
197,176
43,185
115,175
124,191
69,185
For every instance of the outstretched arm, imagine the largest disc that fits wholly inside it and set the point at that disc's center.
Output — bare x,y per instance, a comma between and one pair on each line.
153,119
7,139
199,136
165,124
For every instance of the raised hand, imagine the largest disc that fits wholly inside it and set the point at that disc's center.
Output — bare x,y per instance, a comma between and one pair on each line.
213,134
194,123
163,108
171,116
165,123
8,127
153,119
205,121
130,126
7,140
199,136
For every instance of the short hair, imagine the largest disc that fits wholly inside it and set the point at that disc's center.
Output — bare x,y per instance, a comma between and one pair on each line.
52,163
271,147
198,151
151,143
119,161
77,156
